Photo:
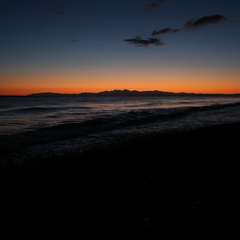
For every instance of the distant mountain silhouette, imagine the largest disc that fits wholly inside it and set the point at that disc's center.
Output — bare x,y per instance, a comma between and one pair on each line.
125,92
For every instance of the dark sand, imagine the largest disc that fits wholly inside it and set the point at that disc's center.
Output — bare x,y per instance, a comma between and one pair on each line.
182,184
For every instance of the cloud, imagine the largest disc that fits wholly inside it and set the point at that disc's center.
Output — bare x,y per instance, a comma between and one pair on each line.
74,40
192,24
189,25
150,6
164,31
202,22
58,8
139,42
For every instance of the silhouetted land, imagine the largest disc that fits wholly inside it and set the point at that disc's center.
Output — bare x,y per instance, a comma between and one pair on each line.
125,92
179,184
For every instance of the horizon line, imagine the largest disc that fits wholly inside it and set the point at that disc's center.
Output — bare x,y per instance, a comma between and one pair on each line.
150,91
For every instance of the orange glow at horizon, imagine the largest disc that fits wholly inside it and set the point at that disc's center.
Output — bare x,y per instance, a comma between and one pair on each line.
24,92
189,82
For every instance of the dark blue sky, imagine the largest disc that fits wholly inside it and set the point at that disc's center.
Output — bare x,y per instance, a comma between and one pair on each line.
94,45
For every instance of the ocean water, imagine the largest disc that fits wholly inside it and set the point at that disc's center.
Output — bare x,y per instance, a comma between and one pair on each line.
33,127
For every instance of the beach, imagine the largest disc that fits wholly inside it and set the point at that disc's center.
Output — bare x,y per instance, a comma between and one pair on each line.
174,184
119,120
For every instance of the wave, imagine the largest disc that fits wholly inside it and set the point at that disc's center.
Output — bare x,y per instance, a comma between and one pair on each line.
32,110
68,130
27,110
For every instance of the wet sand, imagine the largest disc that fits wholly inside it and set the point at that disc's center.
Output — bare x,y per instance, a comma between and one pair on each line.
179,184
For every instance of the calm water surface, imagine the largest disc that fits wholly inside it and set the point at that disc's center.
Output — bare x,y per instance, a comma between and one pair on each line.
44,125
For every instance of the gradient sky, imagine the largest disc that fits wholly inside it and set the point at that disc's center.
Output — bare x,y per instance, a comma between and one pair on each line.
96,45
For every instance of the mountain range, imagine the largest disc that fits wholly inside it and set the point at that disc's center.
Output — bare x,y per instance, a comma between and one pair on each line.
124,92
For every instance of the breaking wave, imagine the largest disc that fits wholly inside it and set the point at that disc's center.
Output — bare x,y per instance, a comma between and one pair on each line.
109,121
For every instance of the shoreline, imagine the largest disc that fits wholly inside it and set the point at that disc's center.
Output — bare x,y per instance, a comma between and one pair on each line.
166,184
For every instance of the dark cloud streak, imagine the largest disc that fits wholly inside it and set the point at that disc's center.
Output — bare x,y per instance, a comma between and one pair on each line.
202,22
189,25
192,24
164,31
139,42
74,40
152,5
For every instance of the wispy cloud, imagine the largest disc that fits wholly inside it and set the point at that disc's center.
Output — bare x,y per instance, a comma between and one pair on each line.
204,21
192,24
164,31
58,8
188,26
152,5
74,40
139,42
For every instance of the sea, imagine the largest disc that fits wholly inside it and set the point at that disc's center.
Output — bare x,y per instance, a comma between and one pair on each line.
33,128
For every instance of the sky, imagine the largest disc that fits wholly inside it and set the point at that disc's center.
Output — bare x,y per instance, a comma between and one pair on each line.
79,46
